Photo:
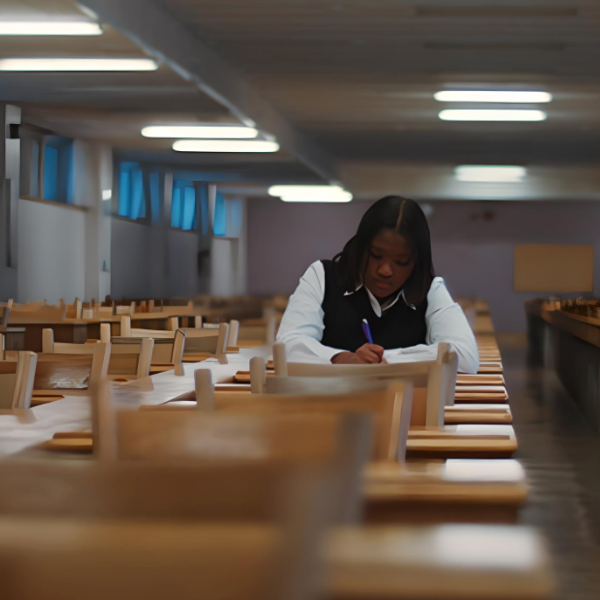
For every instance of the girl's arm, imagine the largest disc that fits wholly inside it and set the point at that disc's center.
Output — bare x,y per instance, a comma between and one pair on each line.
302,326
446,322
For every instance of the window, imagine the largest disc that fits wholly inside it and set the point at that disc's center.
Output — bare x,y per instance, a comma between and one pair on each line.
219,219
58,169
132,198
183,205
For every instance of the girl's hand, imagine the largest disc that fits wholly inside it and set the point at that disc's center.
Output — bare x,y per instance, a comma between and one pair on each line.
366,354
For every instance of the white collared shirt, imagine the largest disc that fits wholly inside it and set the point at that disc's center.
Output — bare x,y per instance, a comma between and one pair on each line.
302,326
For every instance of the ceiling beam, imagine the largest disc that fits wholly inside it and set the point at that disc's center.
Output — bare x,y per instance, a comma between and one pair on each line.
167,40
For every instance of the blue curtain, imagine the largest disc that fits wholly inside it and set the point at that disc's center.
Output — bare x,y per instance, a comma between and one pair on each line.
219,221
132,197
51,173
183,205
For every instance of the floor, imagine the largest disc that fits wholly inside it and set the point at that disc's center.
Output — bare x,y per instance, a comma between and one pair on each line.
561,454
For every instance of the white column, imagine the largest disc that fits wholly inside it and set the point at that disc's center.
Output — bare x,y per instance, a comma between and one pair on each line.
92,167
9,197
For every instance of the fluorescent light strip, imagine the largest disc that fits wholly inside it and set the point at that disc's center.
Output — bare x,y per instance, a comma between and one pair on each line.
78,64
492,115
225,146
493,96
49,28
490,173
199,131
310,193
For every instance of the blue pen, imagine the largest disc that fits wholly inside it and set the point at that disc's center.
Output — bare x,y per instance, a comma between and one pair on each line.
367,331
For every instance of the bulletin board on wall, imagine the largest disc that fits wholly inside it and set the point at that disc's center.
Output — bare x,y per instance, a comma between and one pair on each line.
554,268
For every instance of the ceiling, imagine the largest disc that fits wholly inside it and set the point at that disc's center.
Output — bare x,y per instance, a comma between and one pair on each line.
346,86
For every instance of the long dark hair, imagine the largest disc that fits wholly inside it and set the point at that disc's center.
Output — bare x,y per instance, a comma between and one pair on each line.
407,218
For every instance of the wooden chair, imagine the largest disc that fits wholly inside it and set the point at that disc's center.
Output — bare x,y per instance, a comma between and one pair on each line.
103,529
168,333
57,374
459,491
390,408
5,308
454,387
16,382
428,438
129,357
75,310
200,344
38,314
437,377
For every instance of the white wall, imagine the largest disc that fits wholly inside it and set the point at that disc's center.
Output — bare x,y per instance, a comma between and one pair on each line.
131,267
182,248
133,270
51,252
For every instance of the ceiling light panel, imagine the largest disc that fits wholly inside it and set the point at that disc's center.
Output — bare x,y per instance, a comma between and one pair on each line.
493,96
310,193
225,146
199,131
490,173
492,115
49,28
77,64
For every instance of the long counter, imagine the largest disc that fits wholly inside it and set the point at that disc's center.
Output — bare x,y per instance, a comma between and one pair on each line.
569,344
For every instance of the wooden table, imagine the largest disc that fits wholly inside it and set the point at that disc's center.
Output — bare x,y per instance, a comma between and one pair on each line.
73,413
570,345
78,331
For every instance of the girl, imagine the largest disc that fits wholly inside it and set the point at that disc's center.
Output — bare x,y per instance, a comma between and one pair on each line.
384,275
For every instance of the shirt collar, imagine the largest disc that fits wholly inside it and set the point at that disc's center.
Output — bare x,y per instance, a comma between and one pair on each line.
386,305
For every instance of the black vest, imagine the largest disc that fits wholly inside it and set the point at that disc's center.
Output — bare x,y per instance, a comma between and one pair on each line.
400,326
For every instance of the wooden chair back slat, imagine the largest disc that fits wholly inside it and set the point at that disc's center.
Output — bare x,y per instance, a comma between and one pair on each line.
152,435
437,377
72,371
63,371
16,381
43,314
390,408
5,309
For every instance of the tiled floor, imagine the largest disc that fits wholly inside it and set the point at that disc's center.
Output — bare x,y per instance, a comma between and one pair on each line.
561,454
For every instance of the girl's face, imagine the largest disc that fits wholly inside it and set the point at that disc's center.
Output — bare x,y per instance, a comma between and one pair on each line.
388,263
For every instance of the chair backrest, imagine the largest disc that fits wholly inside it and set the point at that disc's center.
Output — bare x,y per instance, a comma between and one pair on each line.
167,345
72,371
131,356
340,440
390,408
16,382
143,528
437,376
126,308
210,342
128,331
75,310
5,308
128,356
39,314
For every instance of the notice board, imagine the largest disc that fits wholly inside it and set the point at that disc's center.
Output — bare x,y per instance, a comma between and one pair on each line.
554,268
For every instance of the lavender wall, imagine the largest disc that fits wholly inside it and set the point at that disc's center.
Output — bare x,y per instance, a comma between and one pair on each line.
472,251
